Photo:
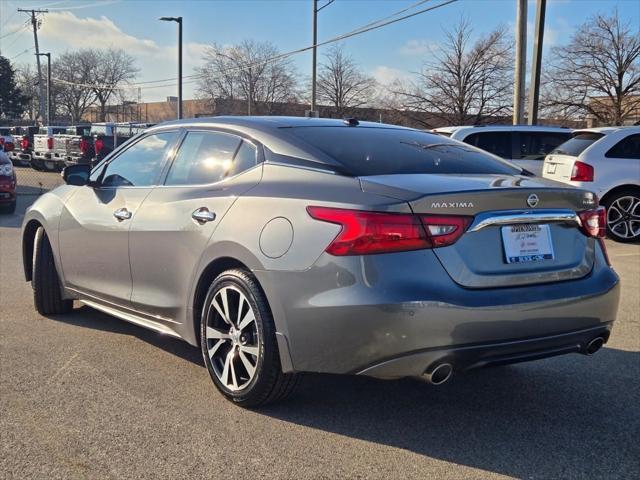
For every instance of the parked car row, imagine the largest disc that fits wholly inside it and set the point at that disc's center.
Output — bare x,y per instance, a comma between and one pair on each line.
51,148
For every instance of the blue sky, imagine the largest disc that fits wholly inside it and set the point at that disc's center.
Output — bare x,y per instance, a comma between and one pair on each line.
389,52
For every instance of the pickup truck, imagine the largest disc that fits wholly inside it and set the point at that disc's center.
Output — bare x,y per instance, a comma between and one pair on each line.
107,136
63,144
23,137
6,140
43,148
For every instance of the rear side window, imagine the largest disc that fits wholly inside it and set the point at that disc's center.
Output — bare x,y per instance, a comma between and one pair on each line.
140,164
578,143
386,151
536,145
498,143
208,157
626,148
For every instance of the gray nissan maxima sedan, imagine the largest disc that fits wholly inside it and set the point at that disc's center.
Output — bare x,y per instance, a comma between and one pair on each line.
284,245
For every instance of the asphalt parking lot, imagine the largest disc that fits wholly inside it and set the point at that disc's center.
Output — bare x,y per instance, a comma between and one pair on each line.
85,395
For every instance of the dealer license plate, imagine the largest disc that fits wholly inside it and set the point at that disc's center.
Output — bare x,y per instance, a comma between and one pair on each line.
527,243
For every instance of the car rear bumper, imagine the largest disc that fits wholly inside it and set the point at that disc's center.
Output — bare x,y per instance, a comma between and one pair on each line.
382,316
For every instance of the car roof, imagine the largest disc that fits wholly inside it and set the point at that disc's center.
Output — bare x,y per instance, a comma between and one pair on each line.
607,130
271,132
508,128
268,122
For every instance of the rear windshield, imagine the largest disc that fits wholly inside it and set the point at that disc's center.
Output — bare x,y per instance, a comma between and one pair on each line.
578,144
386,151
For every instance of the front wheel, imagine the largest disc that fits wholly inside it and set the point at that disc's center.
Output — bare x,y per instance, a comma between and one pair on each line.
47,291
238,342
623,216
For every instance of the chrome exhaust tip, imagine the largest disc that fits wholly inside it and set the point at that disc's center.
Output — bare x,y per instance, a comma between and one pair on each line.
594,345
439,374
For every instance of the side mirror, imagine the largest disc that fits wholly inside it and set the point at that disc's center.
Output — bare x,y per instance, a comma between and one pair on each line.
76,174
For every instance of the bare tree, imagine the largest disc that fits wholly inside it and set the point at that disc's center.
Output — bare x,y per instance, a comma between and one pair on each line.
342,84
465,82
250,71
73,73
27,80
113,69
597,73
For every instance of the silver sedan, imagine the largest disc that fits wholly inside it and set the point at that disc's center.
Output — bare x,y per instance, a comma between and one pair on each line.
285,245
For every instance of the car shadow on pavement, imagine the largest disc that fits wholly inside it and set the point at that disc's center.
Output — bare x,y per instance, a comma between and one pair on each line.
88,317
565,417
571,416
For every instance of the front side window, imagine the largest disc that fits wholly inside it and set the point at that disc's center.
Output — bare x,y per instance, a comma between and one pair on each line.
208,157
140,164
536,145
626,148
498,143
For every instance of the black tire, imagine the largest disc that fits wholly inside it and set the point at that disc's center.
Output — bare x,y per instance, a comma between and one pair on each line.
620,231
8,209
47,291
268,384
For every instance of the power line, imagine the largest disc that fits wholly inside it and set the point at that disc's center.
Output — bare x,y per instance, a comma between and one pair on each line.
383,22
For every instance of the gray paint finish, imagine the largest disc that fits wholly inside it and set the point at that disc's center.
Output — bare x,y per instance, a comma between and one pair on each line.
338,314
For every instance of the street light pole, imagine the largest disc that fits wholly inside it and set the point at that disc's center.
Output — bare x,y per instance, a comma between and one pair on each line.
48,55
313,66
178,20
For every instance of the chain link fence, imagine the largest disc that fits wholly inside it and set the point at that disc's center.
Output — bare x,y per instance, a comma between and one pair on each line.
33,182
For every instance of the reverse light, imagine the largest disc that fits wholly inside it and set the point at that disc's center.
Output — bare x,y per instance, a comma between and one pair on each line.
365,232
581,172
593,222
49,143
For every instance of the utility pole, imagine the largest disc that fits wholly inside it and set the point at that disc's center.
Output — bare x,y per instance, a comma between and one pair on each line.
536,65
313,66
48,55
521,63
34,23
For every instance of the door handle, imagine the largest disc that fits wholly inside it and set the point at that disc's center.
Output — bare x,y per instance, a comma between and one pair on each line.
122,214
202,215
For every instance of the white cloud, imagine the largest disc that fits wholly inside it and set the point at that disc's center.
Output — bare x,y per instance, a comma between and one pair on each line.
386,75
63,31
417,47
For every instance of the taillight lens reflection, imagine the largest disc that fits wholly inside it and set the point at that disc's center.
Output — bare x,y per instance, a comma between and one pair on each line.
366,232
594,222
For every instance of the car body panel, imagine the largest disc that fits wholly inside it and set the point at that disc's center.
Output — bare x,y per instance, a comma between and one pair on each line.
94,244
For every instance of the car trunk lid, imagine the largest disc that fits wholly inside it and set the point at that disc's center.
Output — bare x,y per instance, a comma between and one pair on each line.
507,211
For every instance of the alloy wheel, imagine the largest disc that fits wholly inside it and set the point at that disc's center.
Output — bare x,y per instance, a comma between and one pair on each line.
623,217
232,338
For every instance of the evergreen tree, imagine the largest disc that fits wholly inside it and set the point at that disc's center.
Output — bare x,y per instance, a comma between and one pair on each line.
13,102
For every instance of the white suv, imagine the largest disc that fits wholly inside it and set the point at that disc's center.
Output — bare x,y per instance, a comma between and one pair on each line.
526,146
606,161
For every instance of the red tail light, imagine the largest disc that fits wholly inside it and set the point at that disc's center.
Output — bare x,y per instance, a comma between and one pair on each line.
84,145
24,143
594,222
99,145
1,140
581,172
50,143
366,233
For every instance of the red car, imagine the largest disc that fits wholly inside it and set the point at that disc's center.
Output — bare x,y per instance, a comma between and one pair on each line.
7,185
